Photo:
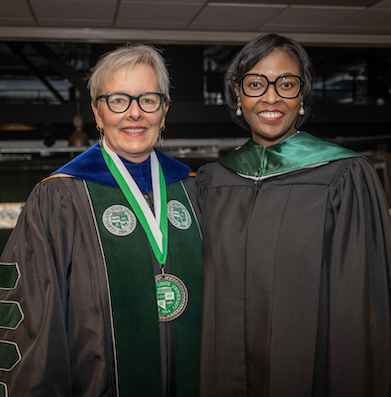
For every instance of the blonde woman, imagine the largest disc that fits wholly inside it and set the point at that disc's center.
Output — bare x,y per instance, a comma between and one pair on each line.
109,255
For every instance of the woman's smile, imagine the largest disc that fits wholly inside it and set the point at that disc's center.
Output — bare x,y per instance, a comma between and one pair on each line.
134,130
270,116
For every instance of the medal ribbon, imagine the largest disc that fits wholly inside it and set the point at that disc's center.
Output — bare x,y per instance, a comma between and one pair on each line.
156,227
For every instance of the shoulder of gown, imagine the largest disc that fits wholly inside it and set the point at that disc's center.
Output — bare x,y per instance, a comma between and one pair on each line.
356,177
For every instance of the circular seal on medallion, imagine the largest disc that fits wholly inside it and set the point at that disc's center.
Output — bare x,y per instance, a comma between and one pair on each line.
119,220
171,296
178,215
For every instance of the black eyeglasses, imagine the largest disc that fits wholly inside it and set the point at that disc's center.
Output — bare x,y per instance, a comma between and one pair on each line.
118,102
255,85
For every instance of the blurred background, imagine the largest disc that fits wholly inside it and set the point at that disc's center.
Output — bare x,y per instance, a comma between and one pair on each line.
47,48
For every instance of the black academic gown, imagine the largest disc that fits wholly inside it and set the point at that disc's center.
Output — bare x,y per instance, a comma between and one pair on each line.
65,336
296,283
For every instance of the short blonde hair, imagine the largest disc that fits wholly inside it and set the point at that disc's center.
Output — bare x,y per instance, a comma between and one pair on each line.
128,56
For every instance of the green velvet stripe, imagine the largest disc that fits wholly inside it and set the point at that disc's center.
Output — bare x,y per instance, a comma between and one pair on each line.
9,355
130,270
10,315
3,390
185,252
8,275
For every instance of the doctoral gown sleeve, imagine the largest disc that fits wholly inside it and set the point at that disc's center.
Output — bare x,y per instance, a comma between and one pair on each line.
60,338
203,181
354,330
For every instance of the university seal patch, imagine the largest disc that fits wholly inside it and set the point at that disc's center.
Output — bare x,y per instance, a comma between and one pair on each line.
178,215
119,220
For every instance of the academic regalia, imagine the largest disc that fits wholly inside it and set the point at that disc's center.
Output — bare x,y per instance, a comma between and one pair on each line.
297,265
88,323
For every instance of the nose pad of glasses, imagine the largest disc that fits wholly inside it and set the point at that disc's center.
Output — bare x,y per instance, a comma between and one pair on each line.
271,94
134,105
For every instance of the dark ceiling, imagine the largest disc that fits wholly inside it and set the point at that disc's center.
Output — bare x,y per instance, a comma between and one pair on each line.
197,21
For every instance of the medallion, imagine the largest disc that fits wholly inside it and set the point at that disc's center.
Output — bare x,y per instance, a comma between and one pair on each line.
171,296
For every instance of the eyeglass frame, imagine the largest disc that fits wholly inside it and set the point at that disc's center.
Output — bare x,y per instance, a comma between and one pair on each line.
131,97
272,83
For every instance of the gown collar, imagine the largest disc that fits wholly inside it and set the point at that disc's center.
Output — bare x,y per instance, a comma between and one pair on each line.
91,166
298,151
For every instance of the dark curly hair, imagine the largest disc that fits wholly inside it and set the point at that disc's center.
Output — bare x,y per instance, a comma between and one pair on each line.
251,54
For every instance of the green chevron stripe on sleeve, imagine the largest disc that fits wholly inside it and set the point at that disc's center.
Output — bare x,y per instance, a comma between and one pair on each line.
9,355
3,390
10,314
9,275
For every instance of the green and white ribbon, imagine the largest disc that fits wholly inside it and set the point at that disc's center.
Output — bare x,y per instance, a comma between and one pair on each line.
155,226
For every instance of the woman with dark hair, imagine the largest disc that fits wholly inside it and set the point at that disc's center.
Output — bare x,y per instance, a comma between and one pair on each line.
297,251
